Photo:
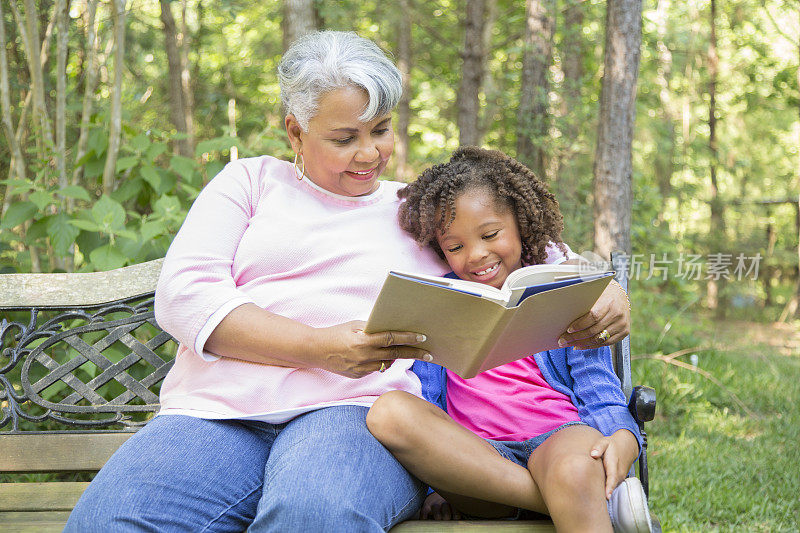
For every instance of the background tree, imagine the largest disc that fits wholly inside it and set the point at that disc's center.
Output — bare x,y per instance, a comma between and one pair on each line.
532,114
472,71
613,160
179,109
115,123
300,18
404,61
18,161
717,230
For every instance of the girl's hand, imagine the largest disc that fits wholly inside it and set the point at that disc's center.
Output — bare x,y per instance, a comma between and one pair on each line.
611,312
437,508
618,453
346,350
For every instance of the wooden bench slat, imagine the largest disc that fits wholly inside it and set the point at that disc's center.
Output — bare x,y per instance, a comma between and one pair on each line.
476,526
58,452
47,522
50,496
33,522
78,288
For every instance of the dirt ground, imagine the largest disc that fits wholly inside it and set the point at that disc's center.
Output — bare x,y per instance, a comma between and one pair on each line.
783,337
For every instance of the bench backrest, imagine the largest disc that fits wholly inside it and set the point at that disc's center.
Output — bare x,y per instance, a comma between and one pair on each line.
81,362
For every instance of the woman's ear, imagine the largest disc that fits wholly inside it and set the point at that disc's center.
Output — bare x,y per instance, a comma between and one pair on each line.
294,131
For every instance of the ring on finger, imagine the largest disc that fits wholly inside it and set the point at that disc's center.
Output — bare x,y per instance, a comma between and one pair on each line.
604,335
383,366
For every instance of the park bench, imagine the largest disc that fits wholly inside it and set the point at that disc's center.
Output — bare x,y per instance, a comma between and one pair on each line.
81,360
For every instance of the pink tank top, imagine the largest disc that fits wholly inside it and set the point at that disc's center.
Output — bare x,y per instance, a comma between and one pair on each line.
511,402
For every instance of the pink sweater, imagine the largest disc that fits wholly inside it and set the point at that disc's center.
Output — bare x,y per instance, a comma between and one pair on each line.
257,235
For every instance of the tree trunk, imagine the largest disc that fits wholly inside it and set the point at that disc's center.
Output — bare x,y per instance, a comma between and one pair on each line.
299,18
29,30
793,306
664,158
18,160
532,114
177,111
230,88
90,81
488,82
797,285
572,50
797,227
717,222
62,18
187,93
472,67
612,165
115,128
404,171
22,129
572,54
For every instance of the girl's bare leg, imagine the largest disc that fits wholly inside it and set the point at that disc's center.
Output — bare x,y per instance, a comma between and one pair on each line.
571,481
450,458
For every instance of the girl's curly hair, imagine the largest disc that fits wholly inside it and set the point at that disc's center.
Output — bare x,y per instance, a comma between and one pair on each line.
429,202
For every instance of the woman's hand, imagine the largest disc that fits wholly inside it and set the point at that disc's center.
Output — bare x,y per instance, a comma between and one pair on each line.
618,453
610,313
437,508
346,350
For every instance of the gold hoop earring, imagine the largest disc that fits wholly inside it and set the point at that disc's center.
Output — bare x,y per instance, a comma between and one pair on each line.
303,171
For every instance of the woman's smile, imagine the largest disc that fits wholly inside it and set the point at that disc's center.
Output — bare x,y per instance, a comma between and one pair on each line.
342,153
363,175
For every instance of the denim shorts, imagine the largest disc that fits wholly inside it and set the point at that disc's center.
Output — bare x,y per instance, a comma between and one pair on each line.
520,452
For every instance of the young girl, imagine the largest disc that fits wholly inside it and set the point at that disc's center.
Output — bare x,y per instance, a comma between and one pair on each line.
550,433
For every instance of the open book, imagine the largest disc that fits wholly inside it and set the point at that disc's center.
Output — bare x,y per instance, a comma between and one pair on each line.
471,327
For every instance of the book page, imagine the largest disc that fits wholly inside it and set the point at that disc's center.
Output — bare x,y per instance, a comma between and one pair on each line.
500,296
533,279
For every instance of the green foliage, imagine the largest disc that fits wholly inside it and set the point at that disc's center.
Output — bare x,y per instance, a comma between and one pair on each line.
236,45
135,223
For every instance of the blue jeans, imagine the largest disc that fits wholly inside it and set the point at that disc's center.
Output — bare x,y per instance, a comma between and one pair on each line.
520,451
322,471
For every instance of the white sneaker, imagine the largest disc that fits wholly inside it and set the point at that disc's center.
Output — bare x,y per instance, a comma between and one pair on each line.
628,508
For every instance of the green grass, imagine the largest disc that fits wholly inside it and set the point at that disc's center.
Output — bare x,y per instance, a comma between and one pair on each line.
717,464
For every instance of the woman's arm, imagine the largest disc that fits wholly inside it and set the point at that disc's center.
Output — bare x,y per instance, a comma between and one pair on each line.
250,332
199,303
611,312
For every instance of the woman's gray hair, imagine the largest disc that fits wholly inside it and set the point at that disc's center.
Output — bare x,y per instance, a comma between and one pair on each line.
324,61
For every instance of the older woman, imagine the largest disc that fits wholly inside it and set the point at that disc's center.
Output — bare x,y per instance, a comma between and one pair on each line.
262,422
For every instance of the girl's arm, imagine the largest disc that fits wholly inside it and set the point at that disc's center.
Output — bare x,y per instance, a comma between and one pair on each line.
602,404
618,453
597,392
